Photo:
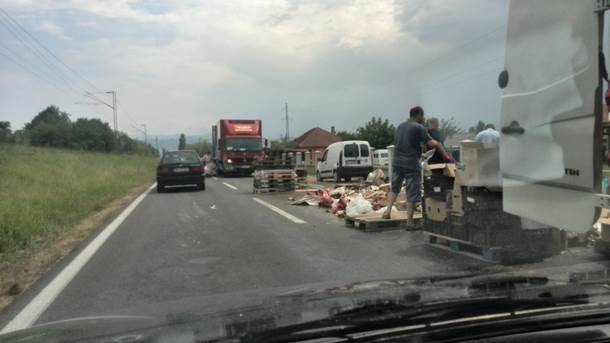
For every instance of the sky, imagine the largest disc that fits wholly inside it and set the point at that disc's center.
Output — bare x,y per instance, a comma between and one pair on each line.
179,66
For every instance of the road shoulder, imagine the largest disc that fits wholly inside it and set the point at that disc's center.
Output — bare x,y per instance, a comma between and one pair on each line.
20,275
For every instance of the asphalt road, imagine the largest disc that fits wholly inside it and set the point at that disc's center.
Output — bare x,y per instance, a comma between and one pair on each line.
186,247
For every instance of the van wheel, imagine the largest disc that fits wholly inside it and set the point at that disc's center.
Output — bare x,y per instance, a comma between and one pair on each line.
337,177
318,177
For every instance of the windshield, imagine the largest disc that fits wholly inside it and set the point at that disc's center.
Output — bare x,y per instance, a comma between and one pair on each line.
180,157
351,150
364,150
172,159
243,144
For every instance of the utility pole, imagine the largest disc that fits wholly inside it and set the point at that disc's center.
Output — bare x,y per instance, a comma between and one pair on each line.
114,111
145,133
286,118
157,142
102,102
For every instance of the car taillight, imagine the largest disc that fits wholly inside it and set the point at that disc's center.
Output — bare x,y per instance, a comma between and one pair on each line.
163,171
197,169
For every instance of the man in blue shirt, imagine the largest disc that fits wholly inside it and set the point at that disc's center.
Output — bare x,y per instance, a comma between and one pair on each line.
489,135
406,165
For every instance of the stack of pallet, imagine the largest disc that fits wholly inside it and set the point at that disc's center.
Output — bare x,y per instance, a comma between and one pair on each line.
274,180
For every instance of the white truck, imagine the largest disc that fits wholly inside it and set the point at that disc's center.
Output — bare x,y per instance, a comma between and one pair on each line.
550,151
551,122
552,108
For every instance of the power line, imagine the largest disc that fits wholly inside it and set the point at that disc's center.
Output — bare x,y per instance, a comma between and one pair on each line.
459,73
34,73
41,71
460,47
22,37
49,51
53,69
54,74
472,76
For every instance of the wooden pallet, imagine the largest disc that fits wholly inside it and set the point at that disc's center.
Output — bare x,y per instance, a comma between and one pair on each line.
275,180
479,252
372,222
283,179
275,177
272,190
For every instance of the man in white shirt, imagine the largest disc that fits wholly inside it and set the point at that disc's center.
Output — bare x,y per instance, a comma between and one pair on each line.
489,135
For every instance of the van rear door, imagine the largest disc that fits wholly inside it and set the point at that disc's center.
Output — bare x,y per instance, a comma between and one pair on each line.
550,154
365,155
351,155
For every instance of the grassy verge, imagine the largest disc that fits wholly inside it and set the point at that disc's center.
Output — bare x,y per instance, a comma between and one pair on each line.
44,192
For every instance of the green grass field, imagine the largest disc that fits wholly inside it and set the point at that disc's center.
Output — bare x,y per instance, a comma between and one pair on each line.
44,191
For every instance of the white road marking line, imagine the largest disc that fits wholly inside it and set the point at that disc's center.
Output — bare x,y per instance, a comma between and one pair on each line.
280,211
34,309
230,186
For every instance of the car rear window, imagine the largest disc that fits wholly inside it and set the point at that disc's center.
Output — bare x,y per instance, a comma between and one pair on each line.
384,155
351,150
180,157
364,150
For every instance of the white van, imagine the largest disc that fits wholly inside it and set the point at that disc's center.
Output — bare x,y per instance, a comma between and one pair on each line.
343,160
381,158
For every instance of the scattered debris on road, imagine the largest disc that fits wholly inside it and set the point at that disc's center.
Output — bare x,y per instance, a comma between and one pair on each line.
351,199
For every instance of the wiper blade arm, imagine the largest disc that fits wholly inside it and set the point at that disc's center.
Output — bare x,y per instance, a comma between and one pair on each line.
380,316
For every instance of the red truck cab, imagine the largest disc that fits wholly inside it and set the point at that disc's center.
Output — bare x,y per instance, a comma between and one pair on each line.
237,145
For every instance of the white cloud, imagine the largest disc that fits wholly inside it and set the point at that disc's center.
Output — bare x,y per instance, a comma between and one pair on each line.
330,60
52,28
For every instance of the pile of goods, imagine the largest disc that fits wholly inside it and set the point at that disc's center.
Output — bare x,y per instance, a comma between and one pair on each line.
351,200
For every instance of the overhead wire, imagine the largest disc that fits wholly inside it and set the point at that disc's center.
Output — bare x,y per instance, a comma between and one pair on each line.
53,73
25,60
462,46
52,67
76,73
34,73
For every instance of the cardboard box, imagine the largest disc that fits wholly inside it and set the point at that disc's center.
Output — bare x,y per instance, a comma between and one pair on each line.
457,200
436,210
448,168
481,164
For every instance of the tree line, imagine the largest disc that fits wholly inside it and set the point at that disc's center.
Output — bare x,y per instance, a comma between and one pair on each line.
203,146
377,131
54,128
380,132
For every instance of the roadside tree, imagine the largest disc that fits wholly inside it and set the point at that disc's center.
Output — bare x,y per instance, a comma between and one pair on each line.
378,132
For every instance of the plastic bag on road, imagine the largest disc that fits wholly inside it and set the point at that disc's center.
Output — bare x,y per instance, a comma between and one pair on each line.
358,205
376,177
210,169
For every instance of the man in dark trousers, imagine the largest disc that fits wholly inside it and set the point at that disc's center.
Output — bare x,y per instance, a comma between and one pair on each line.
437,135
406,165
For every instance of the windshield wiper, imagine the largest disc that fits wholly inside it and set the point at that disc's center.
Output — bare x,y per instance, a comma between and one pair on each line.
387,315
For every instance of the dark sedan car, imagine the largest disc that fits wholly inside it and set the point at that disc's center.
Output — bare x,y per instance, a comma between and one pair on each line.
181,167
